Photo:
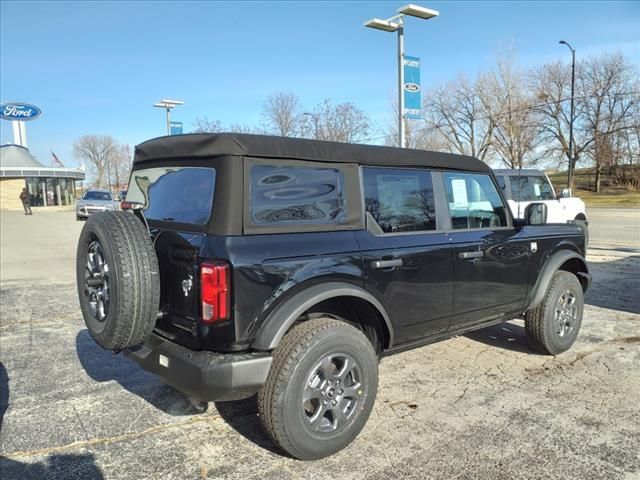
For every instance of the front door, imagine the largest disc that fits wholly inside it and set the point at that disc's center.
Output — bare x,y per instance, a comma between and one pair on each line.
491,256
408,262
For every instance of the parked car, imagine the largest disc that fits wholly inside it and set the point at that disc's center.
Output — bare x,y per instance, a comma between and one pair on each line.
93,201
523,186
249,264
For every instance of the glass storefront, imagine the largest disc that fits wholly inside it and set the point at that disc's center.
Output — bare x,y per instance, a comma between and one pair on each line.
51,191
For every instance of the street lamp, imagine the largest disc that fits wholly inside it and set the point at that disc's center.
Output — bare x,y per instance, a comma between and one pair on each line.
396,24
168,105
315,122
571,115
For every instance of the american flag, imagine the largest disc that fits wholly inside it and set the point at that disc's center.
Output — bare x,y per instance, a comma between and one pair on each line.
56,160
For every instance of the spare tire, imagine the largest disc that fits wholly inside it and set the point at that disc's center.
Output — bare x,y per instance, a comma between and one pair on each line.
118,280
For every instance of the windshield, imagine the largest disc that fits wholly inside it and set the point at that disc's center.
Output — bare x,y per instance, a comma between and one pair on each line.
531,188
170,194
102,196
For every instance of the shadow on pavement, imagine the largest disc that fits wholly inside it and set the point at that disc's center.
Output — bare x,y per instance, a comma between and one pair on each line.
507,335
242,416
53,467
615,284
104,366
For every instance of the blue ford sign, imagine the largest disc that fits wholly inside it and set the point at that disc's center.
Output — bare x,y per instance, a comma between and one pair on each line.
411,86
19,111
176,128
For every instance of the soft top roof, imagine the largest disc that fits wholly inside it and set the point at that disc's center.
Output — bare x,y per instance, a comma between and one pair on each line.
213,144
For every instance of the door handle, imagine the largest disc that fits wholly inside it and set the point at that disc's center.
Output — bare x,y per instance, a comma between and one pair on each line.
474,254
396,262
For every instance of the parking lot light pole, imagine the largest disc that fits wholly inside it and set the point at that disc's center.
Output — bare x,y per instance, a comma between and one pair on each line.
168,105
396,24
571,115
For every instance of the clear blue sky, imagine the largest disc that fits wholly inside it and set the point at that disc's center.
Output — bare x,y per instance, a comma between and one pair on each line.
97,67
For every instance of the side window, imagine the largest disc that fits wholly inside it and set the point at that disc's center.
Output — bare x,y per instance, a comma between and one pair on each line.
531,188
297,195
474,201
501,182
400,200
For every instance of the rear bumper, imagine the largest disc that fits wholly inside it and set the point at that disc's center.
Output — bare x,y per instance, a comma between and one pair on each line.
203,375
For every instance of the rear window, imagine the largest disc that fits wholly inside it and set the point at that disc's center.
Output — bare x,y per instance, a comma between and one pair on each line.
170,194
297,195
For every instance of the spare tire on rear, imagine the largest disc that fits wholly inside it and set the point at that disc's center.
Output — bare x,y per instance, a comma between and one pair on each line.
118,280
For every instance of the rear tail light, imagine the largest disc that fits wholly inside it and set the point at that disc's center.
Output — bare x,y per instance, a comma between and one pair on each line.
214,292
126,205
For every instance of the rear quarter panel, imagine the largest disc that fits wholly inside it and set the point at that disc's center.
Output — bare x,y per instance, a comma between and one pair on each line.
268,269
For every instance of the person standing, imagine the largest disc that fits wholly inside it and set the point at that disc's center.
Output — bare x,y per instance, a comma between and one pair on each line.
25,196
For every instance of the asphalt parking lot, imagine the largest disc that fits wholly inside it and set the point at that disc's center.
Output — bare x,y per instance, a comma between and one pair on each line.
479,406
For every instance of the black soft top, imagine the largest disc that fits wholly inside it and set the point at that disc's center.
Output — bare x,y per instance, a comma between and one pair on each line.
198,145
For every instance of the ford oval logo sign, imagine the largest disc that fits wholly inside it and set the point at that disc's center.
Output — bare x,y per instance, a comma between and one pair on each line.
412,87
19,111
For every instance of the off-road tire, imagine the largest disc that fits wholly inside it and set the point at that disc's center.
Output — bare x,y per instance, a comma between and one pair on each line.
541,324
280,399
133,279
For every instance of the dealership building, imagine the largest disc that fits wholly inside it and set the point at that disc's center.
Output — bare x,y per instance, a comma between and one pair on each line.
48,186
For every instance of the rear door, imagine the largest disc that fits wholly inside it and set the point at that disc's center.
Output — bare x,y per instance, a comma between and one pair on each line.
491,256
408,262
177,205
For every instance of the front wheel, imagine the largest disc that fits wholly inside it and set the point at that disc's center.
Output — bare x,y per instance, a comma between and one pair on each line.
552,327
320,390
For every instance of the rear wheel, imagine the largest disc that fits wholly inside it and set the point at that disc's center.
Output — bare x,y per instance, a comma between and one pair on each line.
552,327
320,390
117,279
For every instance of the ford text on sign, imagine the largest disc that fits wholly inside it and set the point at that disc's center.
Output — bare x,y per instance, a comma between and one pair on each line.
19,111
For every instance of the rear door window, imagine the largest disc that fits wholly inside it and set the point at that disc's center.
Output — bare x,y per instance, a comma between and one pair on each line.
174,194
297,195
400,200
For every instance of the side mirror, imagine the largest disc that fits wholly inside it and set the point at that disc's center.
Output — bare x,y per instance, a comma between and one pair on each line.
566,193
535,214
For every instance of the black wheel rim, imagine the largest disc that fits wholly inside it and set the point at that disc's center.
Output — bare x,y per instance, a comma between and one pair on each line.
332,393
566,313
97,281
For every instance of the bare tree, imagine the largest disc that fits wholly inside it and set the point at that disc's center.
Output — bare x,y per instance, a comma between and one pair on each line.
418,133
204,125
608,94
342,122
458,112
121,167
98,152
515,131
282,114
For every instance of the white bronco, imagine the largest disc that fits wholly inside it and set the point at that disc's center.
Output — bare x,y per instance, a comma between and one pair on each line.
524,186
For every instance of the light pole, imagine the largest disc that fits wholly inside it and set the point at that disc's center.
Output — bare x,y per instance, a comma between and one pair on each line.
571,115
168,105
396,24
315,122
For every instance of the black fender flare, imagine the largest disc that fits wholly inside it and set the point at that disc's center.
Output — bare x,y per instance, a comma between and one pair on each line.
548,270
280,320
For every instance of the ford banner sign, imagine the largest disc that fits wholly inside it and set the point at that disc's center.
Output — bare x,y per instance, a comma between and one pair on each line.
19,111
412,97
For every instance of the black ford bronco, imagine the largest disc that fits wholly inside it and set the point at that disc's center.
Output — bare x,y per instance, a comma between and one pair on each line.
247,264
